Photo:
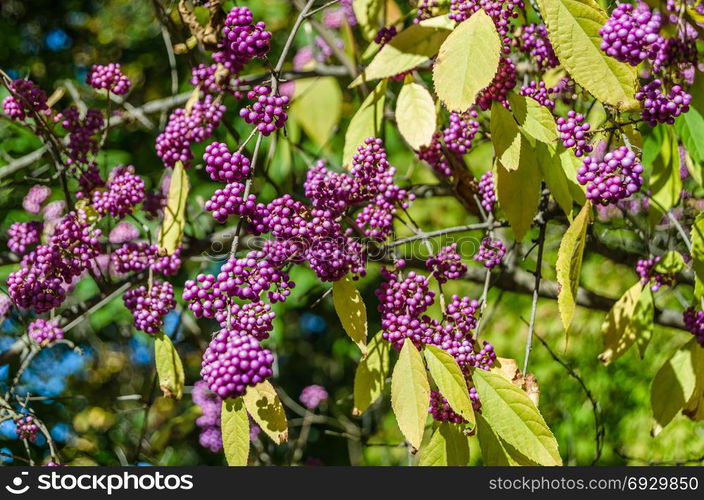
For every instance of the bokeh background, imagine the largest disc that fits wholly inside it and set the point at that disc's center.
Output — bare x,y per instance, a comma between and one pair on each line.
98,402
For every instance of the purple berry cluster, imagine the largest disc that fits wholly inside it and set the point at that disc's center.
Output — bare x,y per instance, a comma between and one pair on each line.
233,361
138,256
24,235
694,322
312,396
268,111
149,305
648,274
230,201
82,132
440,409
539,92
209,420
223,166
434,156
617,176
242,40
385,34
574,132
458,135
122,233
26,99
487,191
27,428
186,127
535,42
490,253
37,194
504,82
500,11
446,265
631,34
108,77
662,108
45,332
335,18
424,10
213,79
124,191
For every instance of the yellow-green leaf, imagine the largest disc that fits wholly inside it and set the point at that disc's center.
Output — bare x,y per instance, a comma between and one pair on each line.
168,367
665,180
407,50
467,62
514,418
317,106
351,310
415,115
694,408
506,137
535,120
570,164
367,13
410,393
569,264
518,192
697,239
496,452
234,425
671,262
673,385
370,377
174,221
366,122
555,178
573,28
628,318
265,408
450,380
448,446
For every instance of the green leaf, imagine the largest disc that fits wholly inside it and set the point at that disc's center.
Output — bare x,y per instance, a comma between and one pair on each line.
365,123
168,367
514,418
690,127
694,408
234,425
407,50
496,452
265,408
448,446
367,13
351,310
506,137
467,62
555,177
630,317
697,238
569,264
665,180
415,115
670,263
673,385
171,231
450,380
573,29
370,377
410,393
518,192
570,164
317,106
535,120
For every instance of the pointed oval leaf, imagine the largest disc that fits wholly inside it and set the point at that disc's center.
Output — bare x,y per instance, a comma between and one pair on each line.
410,393
366,122
626,321
415,115
573,29
665,179
467,62
697,239
317,106
506,137
168,367
370,377
448,447
673,385
690,127
174,221
555,178
514,418
496,452
694,408
234,425
450,380
352,312
670,263
264,406
367,13
535,120
518,192
569,264
407,50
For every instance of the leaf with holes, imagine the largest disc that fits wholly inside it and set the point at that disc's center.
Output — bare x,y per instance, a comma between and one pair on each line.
168,367
234,425
264,406
370,377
